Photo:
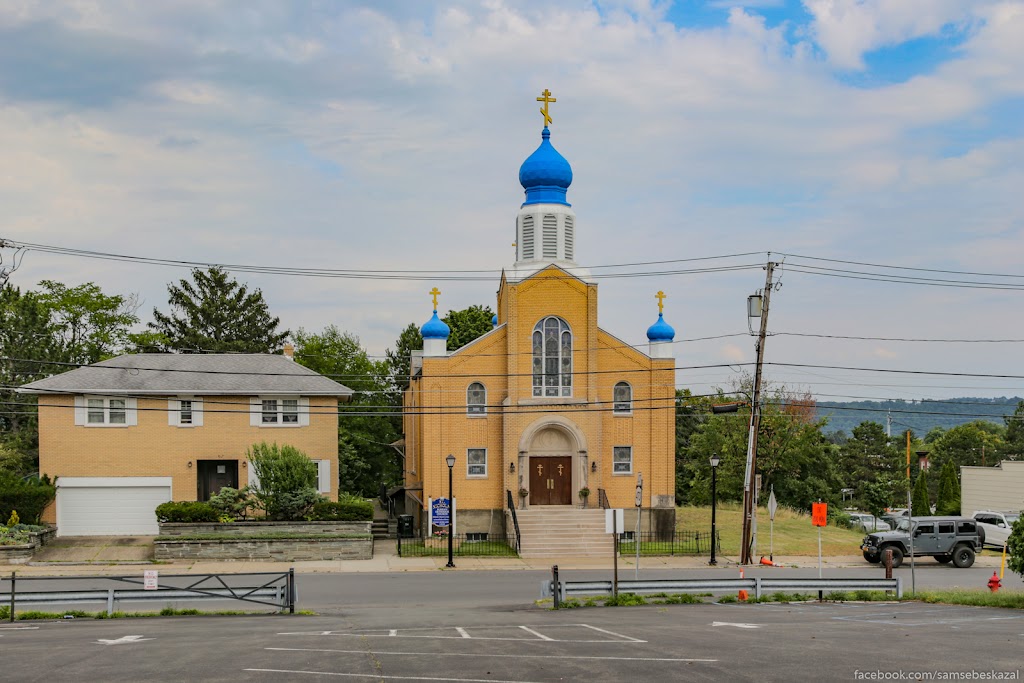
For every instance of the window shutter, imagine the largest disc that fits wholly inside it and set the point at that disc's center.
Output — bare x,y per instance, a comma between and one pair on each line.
173,411
323,478
131,406
80,411
255,411
303,412
197,412
254,479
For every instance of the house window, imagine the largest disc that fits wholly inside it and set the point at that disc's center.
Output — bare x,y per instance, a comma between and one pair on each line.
279,412
107,411
185,412
552,358
476,462
622,397
476,399
622,460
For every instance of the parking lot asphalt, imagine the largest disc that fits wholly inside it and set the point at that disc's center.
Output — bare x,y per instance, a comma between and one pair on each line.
765,642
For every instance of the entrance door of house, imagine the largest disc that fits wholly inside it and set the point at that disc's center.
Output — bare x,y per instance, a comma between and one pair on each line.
551,481
213,475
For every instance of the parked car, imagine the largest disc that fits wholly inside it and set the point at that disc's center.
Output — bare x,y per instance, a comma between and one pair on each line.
867,522
996,526
947,539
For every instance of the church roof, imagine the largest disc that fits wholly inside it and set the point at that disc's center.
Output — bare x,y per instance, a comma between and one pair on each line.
545,175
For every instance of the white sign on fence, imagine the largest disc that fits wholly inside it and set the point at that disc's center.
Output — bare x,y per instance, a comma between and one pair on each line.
149,580
609,521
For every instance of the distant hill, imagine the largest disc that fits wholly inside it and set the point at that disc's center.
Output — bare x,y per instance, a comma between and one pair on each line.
921,416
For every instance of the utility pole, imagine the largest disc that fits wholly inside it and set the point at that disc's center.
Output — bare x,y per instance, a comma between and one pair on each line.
749,512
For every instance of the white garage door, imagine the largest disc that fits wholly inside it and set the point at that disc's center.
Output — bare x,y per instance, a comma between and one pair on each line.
110,506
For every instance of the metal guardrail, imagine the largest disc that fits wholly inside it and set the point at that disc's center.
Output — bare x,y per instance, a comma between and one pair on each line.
758,586
274,589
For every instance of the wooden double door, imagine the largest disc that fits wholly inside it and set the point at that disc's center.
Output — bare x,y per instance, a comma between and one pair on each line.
551,480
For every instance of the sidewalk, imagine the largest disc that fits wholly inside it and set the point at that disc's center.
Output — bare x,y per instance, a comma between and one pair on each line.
114,557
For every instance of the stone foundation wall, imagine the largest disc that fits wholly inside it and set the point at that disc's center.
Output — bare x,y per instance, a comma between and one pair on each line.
252,528
474,521
16,554
278,550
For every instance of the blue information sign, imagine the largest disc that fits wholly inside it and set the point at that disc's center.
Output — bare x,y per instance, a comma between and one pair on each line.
442,512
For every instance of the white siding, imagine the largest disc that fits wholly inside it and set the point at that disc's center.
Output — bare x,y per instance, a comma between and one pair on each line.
992,488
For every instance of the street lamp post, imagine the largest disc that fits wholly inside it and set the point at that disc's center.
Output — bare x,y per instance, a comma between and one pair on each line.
450,460
714,499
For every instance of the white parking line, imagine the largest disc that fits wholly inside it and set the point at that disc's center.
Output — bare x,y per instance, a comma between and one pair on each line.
381,677
462,632
488,655
539,635
612,633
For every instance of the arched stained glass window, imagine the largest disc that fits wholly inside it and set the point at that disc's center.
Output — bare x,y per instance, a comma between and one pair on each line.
476,399
622,398
552,358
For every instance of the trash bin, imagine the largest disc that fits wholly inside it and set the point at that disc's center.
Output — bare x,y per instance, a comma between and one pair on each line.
405,526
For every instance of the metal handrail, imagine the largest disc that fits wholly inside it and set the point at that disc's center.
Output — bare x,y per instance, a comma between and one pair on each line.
602,499
515,520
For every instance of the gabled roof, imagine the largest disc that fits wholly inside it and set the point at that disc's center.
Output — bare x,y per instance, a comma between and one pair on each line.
210,374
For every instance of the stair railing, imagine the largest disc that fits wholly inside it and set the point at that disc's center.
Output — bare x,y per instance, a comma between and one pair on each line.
602,499
515,520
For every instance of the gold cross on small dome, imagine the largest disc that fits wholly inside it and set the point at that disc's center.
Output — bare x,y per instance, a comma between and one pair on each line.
546,98
661,296
434,292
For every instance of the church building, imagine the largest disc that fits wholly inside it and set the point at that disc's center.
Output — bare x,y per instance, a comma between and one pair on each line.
547,413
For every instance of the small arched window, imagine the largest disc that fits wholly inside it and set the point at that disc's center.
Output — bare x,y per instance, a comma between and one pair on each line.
552,358
476,399
622,398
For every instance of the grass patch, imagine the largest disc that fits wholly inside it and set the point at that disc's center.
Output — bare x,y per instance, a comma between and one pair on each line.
625,600
976,598
37,615
794,534
416,548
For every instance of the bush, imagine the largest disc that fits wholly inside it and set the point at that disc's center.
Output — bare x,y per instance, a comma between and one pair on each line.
231,502
343,511
27,497
287,481
186,511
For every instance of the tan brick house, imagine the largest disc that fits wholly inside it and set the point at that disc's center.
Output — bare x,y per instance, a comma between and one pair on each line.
123,435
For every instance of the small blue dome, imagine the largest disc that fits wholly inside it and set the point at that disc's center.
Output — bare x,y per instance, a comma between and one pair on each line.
660,331
545,175
435,328
494,320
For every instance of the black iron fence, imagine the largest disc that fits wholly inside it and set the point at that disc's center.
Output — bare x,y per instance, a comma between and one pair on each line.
679,543
463,545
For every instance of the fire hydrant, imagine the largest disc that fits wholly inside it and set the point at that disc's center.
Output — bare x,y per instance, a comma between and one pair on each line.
994,583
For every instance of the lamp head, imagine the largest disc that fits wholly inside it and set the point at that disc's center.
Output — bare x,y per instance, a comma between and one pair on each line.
715,460
450,460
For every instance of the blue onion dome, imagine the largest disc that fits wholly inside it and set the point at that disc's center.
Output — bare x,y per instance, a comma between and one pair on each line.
435,328
545,175
660,331
494,320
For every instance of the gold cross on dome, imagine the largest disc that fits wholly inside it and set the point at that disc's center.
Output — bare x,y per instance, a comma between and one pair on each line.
546,98
434,292
661,296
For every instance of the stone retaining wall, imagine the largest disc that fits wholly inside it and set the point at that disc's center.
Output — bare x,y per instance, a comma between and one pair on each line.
20,554
279,550
261,527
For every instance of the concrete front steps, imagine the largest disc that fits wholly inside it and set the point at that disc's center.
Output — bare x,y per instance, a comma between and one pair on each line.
555,531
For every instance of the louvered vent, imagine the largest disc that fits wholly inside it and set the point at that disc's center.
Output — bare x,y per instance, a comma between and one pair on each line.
569,238
527,246
550,236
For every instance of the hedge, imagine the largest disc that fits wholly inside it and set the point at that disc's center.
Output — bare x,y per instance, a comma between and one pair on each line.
342,511
186,511
27,497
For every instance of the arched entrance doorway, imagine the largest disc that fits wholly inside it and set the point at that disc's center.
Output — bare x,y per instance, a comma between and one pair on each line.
553,462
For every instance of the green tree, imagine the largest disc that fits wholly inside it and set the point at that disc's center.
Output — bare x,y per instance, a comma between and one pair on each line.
920,502
1015,547
366,423
970,444
398,360
948,500
468,324
28,345
1014,449
216,313
287,481
870,466
90,326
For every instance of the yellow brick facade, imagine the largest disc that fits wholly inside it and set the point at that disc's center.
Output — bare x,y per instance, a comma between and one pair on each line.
154,448
520,429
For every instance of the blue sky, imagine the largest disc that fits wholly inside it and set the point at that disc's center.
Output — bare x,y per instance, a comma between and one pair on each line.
388,136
